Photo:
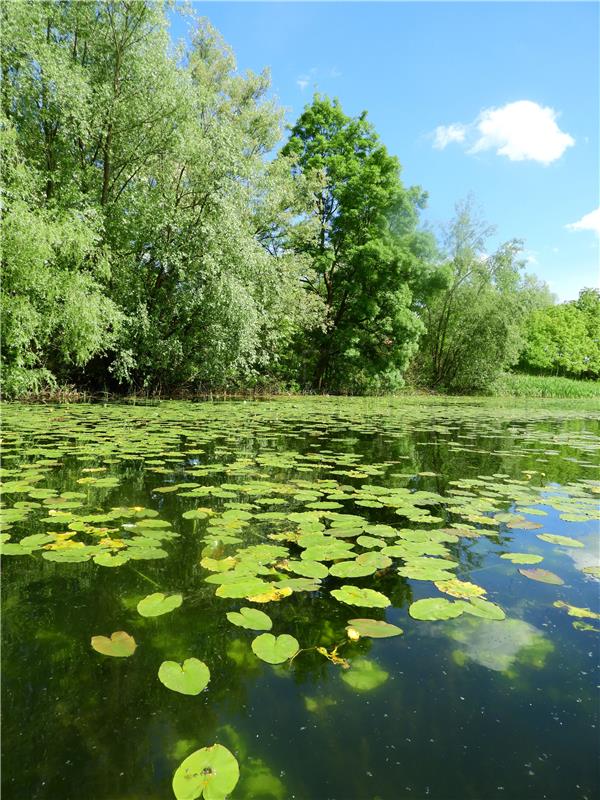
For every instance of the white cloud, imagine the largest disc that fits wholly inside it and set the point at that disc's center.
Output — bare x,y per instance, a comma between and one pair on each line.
589,222
303,82
521,131
444,134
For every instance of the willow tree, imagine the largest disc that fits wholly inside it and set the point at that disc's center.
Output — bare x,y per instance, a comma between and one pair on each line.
158,155
362,243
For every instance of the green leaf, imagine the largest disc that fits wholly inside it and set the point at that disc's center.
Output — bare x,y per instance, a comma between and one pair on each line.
368,598
250,618
542,575
191,677
275,649
435,608
153,605
373,628
522,558
120,644
564,541
211,773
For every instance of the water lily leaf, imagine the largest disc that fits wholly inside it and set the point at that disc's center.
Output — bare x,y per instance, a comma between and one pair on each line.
542,575
367,598
16,549
243,588
211,773
374,559
373,628
564,541
36,540
153,605
275,649
195,514
308,569
479,607
251,618
435,608
66,556
575,611
585,626
109,560
522,558
364,675
273,595
461,589
120,644
191,677
351,569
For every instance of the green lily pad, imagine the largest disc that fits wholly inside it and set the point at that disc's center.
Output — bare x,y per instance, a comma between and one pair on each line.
351,569
564,541
109,560
435,608
250,618
211,773
522,558
153,605
275,649
479,607
191,677
367,598
374,628
364,675
575,611
542,575
308,569
120,644
195,514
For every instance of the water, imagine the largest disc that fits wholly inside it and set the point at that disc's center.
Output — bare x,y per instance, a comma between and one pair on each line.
464,708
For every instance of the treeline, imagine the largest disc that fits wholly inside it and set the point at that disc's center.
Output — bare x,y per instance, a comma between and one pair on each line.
156,236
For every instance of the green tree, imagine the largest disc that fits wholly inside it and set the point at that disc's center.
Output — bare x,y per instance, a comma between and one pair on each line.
474,322
360,239
565,339
154,163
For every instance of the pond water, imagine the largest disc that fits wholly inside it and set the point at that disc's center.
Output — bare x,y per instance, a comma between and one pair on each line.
320,513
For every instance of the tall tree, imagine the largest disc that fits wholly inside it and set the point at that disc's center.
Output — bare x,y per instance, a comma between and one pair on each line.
361,240
474,323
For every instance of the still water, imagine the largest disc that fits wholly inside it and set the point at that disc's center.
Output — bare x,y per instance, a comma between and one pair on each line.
318,513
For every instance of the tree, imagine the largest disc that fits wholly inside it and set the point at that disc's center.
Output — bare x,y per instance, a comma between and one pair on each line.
474,323
361,241
154,162
565,339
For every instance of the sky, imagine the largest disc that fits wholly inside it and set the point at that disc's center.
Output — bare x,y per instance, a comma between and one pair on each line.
495,100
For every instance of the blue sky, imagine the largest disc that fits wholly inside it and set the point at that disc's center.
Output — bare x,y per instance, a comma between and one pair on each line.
500,100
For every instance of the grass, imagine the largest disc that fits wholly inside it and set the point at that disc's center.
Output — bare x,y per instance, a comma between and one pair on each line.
517,385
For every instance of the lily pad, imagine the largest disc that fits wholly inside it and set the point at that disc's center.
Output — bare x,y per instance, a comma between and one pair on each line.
479,607
211,773
542,575
275,649
191,677
250,618
575,611
522,558
435,608
564,541
156,604
373,628
461,589
351,569
367,598
120,644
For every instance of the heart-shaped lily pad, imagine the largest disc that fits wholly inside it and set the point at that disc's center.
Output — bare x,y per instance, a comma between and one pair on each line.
542,575
367,598
522,558
191,677
479,607
351,569
275,649
250,618
435,608
373,628
211,773
120,644
153,605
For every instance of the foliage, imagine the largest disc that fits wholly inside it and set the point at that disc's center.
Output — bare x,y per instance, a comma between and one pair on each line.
565,339
361,241
141,174
519,385
474,321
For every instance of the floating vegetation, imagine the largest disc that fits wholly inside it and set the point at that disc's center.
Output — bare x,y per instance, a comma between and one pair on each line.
315,510
191,677
120,644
